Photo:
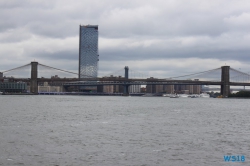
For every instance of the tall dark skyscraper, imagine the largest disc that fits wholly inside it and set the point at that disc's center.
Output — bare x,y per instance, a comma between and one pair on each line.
88,51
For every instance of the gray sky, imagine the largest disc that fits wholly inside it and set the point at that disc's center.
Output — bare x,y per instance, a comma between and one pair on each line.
161,38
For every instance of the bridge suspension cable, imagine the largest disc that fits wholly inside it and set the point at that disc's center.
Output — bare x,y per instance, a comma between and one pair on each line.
240,72
136,74
57,69
199,73
239,76
16,68
132,74
64,70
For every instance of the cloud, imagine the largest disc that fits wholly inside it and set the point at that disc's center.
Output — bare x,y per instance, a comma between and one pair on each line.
165,68
239,23
161,37
226,46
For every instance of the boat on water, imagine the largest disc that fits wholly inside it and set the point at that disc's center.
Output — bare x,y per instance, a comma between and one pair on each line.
194,96
166,95
183,95
1,93
204,95
174,96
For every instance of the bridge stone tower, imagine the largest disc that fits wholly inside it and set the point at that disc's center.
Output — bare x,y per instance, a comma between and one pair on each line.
225,86
126,87
33,81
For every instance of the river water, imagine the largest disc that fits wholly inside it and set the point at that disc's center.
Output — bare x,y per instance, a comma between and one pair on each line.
122,131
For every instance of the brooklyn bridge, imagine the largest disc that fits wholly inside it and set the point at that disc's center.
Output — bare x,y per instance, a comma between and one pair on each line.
224,76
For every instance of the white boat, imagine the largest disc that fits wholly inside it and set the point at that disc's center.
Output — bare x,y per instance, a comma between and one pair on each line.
174,96
183,95
194,96
1,93
204,95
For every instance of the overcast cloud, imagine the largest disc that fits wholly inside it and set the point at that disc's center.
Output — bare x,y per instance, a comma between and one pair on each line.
162,38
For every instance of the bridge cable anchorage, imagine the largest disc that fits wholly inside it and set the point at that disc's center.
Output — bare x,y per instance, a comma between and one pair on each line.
16,68
196,73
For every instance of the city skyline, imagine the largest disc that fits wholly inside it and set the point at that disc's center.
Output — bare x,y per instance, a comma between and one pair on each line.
160,38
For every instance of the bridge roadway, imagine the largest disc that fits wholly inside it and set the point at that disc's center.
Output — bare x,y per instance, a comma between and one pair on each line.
123,81
60,81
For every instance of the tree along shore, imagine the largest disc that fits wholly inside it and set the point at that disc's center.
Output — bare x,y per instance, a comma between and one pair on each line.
244,94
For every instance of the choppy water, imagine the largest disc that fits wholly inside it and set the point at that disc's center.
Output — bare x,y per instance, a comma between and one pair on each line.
122,131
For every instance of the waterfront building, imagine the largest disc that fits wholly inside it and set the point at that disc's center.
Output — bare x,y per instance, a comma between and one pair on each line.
179,88
134,88
196,89
88,51
154,88
50,89
118,89
13,87
186,89
111,88
108,88
149,89
169,89
99,88
143,90
46,87
190,88
158,88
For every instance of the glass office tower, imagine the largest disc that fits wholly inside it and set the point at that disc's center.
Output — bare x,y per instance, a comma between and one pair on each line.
88,51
